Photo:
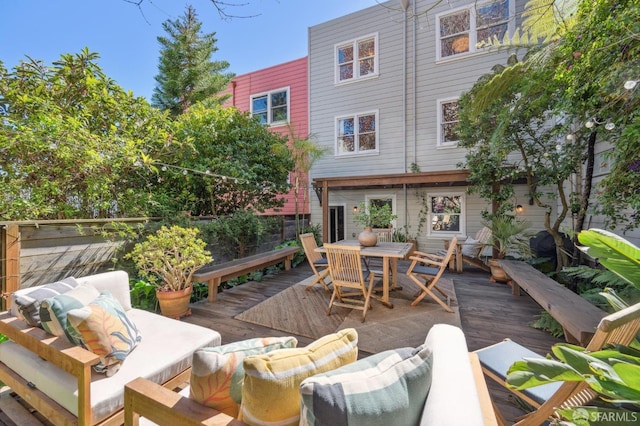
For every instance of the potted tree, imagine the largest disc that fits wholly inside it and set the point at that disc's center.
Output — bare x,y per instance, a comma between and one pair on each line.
370,216
509,236
168,259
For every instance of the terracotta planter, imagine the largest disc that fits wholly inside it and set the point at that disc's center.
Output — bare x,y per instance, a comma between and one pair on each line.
368,238
497,273
175,304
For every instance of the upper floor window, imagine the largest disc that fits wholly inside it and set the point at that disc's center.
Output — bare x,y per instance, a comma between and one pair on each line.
357,134
447,122
357,59
272,107
460,31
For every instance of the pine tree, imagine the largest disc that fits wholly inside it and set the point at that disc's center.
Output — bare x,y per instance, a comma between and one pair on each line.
186,72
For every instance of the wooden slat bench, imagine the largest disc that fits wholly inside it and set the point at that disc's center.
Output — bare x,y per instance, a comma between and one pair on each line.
217,274
578,317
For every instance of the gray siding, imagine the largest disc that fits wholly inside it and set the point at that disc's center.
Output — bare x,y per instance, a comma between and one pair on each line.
406,134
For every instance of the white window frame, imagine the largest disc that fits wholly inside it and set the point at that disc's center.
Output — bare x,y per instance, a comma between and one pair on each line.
270,121
356,151
356,63
440,141
473,30
431,233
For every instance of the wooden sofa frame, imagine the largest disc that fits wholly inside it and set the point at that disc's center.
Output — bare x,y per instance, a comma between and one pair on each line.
72,359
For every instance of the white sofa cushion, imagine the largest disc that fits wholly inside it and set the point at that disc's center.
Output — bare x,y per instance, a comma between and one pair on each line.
165,350
453,396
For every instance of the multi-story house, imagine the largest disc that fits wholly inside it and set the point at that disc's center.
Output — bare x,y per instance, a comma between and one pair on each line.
278,96
384,84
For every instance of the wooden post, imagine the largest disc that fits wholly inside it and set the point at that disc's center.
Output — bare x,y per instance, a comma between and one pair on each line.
325,211
11,256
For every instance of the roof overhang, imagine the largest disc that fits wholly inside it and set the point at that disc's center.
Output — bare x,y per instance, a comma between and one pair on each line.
398,180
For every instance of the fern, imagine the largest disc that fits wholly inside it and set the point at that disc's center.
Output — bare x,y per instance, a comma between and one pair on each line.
547,323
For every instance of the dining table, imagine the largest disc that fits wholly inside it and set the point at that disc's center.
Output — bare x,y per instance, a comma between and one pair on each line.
390,253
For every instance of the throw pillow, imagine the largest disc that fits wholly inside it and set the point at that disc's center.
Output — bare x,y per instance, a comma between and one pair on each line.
53,311
27,303
386,388
471,247
270,393
104,329
217,372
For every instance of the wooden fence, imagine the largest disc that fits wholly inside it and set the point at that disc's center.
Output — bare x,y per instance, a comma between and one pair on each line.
38,252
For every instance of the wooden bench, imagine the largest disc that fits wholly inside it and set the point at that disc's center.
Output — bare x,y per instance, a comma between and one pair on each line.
577,316
217,274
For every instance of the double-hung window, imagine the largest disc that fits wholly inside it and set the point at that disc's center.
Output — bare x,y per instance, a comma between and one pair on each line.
460,31
357,59
272,107
357,134
446,214
447,122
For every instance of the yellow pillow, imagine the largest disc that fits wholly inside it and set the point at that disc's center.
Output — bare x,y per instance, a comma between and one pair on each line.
271,389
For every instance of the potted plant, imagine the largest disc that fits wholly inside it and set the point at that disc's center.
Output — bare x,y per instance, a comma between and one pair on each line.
371,216
509,236
168,259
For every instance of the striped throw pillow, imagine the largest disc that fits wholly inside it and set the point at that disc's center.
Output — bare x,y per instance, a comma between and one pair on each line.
26,303
217,373
271,394
388,388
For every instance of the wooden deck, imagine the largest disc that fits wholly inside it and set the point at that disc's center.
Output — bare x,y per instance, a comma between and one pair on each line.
488,313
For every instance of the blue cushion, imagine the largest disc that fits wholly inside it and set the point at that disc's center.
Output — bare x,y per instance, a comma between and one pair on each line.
388,388
425,270
499,357
321,262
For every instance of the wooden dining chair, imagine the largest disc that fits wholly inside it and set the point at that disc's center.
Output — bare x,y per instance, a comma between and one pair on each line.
318,263
426,269
618,328
352,286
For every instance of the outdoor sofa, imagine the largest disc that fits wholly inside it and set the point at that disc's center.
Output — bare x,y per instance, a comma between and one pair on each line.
438,383
56,376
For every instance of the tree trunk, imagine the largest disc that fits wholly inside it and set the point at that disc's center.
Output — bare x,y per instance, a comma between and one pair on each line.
586,194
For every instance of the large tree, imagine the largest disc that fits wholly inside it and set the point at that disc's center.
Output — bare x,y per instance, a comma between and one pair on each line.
186,72
72,140
235,164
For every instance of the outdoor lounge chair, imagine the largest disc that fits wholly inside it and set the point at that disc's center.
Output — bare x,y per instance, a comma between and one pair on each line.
349,280
471,250
430,267
317,262
618,328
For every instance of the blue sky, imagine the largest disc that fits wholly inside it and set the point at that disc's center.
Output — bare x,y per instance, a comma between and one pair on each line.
127,41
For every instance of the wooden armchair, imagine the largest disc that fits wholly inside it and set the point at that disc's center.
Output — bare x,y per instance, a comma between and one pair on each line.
430,267
618,328
470,251
317,262
349,280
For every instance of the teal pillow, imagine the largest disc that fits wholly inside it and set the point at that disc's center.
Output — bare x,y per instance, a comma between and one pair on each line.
388,388
53,311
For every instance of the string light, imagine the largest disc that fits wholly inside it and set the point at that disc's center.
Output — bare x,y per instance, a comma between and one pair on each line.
164,167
